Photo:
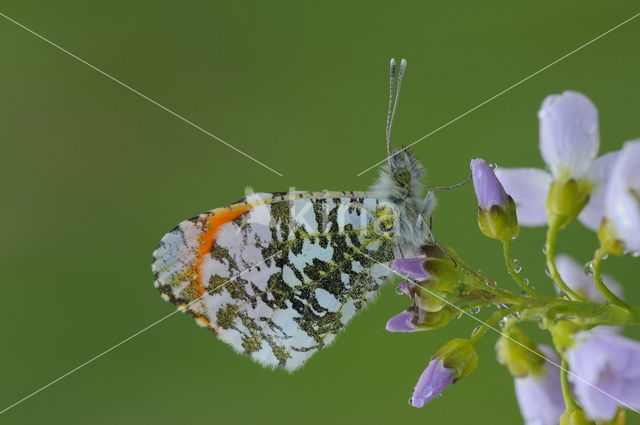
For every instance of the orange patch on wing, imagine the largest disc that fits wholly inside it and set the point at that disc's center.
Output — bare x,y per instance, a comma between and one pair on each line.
208,237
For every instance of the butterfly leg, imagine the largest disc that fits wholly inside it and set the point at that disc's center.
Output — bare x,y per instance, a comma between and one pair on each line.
426,210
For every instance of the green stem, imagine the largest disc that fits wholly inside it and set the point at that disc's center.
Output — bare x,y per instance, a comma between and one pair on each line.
477,281
515,274
596,263
493,320
566,389
550,250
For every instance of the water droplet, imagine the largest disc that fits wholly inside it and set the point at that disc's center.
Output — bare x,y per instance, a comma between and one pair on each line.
475,330
475,310
490,283
410,401
503,322
517,267
501,306
493,165
399,291
544,249
547,271
605,256
459,316
588,269
526,281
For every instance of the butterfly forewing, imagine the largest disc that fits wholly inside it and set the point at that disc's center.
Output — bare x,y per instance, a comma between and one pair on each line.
277,276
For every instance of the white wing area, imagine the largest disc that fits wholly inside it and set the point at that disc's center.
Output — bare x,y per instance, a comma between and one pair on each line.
284,277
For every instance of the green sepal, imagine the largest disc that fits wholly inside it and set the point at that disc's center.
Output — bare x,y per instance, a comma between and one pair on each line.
562,333
500,221
459,355
608,238
430,320
428,297
519,353
566,199
575,417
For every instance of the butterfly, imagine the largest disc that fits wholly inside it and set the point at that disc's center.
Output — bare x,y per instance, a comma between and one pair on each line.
278,275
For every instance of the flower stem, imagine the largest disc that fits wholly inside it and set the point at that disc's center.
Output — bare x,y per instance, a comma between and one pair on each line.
566,390
493,320
596,263
550,250
515,274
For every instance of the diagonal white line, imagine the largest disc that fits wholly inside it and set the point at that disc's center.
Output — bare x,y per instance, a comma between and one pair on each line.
175,114
129,338
506,336
577,49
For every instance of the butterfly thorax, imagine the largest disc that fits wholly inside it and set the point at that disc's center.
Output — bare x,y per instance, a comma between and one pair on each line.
400,184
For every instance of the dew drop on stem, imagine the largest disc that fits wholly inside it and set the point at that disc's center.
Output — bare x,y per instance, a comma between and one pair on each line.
588,269
517,267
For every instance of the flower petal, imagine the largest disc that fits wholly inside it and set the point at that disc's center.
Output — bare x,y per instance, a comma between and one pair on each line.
540,397
605,372
569,138
412,267
528,187
622,205
592,214
488,189
573,274
401,322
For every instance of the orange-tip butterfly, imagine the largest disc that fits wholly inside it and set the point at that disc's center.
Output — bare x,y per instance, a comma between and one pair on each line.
278,275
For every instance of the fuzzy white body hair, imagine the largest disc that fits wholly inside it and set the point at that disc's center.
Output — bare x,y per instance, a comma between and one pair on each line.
400,184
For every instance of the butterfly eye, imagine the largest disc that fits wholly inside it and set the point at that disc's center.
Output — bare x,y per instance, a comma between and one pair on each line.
402,177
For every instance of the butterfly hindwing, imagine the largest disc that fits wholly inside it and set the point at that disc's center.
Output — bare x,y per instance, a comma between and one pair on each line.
277,276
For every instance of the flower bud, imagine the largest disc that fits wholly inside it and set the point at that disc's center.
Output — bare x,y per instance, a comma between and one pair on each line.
496,210
519,353
453,361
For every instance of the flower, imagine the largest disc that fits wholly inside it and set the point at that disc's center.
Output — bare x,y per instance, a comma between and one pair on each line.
453,361
573,274
496,210
605,373
622,206
539,394
569,144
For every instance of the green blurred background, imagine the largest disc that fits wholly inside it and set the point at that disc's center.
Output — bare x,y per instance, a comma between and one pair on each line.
93,175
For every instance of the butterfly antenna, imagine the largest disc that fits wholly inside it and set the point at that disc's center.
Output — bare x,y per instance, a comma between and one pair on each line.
393,68
395,84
